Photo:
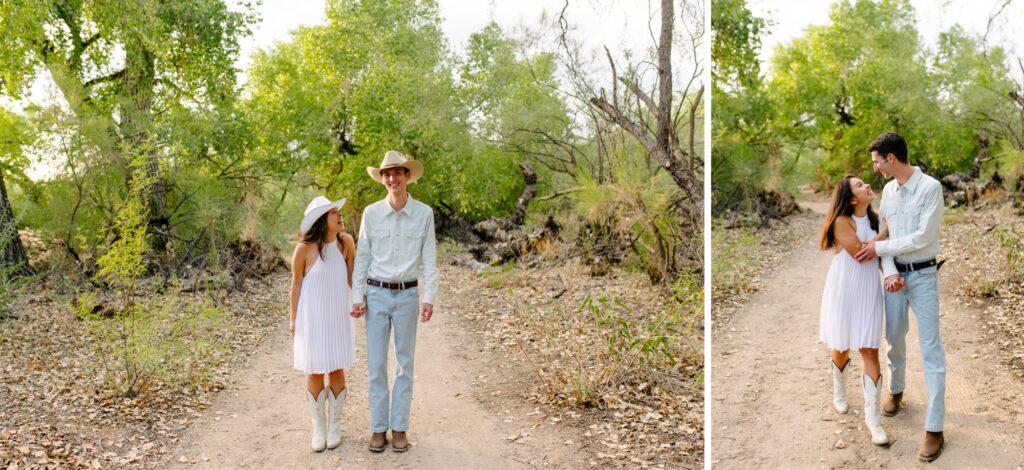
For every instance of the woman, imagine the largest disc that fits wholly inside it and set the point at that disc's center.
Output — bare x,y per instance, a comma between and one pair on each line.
321,324
852,305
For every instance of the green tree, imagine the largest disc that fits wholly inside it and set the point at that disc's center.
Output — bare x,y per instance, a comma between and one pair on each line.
336,97
14,136
976,87
119,65
745,145
517,116
842,84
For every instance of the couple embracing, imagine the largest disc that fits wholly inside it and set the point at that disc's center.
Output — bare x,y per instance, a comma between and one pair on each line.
334,281
902,241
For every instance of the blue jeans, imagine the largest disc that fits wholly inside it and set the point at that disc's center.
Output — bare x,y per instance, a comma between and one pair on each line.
386,309
920,293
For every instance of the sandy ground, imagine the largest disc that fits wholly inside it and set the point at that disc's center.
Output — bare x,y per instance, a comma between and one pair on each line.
262,421
772,393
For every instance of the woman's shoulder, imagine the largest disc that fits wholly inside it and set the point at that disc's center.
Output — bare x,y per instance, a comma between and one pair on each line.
303,247
845,220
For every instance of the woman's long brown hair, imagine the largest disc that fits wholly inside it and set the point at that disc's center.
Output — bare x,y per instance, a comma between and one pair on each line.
842,204
316,234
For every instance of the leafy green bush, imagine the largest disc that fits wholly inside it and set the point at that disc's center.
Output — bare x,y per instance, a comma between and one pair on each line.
141,339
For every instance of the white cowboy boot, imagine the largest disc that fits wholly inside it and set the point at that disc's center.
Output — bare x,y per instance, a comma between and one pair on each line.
316,408
872,410
334,405
839,387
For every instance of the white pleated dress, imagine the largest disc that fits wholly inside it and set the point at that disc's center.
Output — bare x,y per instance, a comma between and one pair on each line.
852,305
324,329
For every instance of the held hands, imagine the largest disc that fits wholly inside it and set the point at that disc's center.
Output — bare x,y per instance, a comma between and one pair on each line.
867,252
894,283
358,310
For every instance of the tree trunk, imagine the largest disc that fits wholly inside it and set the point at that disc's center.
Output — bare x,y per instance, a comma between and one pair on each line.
138,85
664,146
13,251
665,76
530,178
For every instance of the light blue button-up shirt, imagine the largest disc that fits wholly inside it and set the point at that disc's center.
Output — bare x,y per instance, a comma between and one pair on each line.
396,246
913,212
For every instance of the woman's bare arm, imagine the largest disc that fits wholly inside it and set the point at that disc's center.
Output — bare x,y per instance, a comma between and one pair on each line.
349,250
846,235
298,272
883,230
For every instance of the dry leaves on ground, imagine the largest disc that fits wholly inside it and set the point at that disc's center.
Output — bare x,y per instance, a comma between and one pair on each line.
55,410
627,413
742,257
983,250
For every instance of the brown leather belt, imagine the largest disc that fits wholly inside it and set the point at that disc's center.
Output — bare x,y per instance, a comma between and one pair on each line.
908,267
391,285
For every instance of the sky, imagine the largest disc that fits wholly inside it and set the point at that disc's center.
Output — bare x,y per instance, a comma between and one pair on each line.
790,18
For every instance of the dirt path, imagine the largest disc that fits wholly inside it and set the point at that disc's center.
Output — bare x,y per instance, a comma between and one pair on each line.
772,391
262,421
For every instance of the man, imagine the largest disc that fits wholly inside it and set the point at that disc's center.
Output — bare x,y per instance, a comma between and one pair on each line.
396,242
912,207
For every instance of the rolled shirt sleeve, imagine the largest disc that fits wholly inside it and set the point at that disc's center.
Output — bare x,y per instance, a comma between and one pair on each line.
428,259
362,264
888,265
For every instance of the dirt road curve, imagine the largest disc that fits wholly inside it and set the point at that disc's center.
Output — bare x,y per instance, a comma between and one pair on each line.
772,390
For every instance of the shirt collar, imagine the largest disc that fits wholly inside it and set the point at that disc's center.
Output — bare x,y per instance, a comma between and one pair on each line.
392,210
911,185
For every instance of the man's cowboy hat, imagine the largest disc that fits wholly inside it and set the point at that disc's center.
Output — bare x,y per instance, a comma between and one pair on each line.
316,208
394,159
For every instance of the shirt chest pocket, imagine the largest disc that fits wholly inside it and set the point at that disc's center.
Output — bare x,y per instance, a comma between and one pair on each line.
411,242
910,214
381,244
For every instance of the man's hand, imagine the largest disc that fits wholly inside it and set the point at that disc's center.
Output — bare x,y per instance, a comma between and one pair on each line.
358,310
428,311
894,283
867,252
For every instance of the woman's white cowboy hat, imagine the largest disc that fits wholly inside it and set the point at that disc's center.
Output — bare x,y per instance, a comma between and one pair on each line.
394,159
316,208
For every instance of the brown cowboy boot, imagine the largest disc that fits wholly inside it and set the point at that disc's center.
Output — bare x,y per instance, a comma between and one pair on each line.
892,404
377,441
399,442
932,446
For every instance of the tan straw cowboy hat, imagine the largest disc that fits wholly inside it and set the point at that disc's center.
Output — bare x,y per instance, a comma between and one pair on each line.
394,159
316,208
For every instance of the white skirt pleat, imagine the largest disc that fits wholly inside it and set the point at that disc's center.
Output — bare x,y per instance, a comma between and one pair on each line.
852,305
324,329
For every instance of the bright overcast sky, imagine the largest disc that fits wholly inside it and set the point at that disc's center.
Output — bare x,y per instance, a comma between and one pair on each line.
790,18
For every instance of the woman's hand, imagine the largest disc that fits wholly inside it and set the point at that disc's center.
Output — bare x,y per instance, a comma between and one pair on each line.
291,328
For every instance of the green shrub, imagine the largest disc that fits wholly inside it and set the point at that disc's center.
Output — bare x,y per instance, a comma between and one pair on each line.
143,339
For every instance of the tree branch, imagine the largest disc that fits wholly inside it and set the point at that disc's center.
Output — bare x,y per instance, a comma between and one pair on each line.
108,78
